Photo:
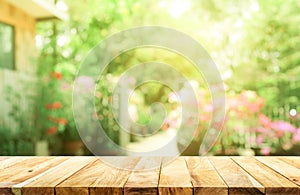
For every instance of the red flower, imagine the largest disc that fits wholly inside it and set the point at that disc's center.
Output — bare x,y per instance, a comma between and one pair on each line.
62,121
56,75
55,105
52,130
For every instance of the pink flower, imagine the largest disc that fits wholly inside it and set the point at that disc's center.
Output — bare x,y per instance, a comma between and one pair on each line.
259,140
283,126
266,150
265,121
296,136
262,130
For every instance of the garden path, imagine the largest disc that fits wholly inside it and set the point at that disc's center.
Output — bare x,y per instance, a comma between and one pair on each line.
162,143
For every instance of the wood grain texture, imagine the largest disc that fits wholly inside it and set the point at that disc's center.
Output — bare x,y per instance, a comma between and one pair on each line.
145,179
285,169
112,179
3,158
47,182
5,163
149,175
35,172
90,176
79,182
293,160
238,180
205,178
15,172
273,182
175,178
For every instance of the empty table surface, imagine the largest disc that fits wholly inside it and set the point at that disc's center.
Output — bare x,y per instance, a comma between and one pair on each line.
182,175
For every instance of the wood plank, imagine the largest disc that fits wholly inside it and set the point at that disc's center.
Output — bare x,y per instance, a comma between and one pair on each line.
145,179
205,178
293,160
17,167
4,158
35,172
285,169
273,182
89,176
47,182
175,178
238,180
11,161
80,181
15,170
112,179
201,175
31,171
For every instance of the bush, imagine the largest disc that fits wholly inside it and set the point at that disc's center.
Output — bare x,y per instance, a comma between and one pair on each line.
15,143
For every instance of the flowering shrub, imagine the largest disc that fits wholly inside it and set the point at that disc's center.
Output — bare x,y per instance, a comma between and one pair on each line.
245,128
53,118
53,110
275,136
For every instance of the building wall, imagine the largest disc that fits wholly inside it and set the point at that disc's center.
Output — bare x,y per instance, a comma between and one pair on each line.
22,77
24,25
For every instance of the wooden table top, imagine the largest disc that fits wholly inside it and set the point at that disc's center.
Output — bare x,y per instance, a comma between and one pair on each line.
184,175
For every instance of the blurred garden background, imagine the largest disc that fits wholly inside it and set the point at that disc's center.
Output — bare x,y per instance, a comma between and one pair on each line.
254,43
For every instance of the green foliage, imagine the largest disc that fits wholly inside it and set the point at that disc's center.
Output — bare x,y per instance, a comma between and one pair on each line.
270,53
17,137
15,143
254,43
104,110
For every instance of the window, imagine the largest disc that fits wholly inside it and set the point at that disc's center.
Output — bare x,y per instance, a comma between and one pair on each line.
7,57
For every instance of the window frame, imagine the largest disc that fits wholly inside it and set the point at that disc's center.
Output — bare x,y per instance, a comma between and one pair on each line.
13,42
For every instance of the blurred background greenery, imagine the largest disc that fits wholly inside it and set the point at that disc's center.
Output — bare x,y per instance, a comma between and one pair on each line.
255,44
